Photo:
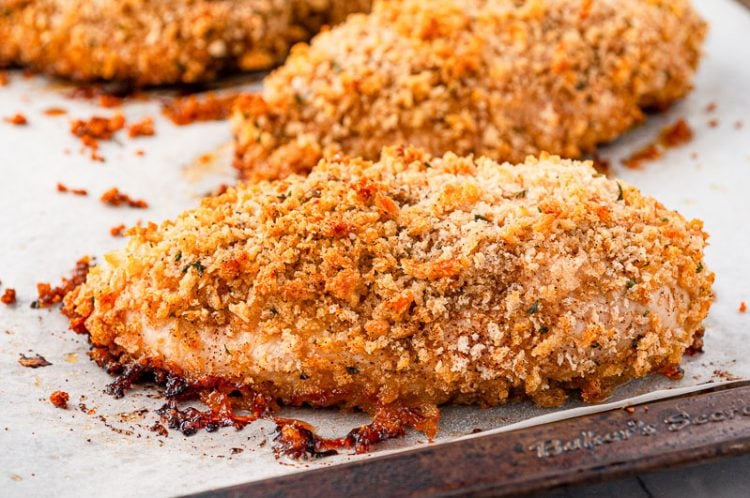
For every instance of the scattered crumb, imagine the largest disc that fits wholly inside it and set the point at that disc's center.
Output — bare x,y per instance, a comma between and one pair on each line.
159,429
74,191
140,152
711,107
674,135
55,111
235,451
3,78
630,409
221,189
143,128
8,297
49,295
60,399
649,153
94,129
601,165
17,120
117,231
738,125
114,197
713,123
187,110
693,155
36,361
743,307
725,375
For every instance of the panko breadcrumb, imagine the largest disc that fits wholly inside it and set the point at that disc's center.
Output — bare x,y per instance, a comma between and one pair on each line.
153,42
503,79
413,281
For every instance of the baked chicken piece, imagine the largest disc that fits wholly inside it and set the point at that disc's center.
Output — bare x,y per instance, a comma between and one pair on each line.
500,78
409,282
153,42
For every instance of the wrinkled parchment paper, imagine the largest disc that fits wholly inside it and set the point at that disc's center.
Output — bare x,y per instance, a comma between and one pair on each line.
111,452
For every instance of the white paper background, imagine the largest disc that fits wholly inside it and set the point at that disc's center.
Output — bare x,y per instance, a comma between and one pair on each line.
42,234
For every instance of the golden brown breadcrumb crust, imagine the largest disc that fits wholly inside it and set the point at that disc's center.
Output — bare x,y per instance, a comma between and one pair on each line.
502,78
153,42
415,280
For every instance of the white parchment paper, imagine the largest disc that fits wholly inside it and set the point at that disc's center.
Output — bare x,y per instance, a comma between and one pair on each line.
42,233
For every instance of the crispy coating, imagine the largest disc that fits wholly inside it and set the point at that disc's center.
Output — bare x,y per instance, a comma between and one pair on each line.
415,280
502,78
152,42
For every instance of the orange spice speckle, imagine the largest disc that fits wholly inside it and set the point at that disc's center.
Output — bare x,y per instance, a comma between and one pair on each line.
743,307
114,197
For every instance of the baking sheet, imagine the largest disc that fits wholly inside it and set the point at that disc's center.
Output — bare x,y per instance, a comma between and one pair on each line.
42,234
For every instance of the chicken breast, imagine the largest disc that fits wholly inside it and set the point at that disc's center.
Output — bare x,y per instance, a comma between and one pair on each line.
153,42
409,282
501,78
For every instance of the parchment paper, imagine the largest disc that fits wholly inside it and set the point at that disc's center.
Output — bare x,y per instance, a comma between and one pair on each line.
42,233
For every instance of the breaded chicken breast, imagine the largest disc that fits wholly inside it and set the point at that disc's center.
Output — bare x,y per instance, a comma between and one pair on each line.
409,282
498,78
152,42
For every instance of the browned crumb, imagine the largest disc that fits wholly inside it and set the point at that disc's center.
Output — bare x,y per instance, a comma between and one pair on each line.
9,296
697,346
711,107
143,128
211,107
109,101
738,125
601,165
3,78
723,374
140,152
49,295
114,197
630,410
17,119
74,191
221,189
743,307
677,134
649,153
96,128
55,111
117,231
60,399
36,361
713,123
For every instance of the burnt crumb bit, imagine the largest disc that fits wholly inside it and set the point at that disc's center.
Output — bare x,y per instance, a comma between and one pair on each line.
131,374
143,128
60,399
49,296
36,361
114,197
190,109
159,429
117,231
9,297
96,128
17,119
236,451
75,191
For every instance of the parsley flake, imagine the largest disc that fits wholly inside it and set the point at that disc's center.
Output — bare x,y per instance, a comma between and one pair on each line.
478,217
534,308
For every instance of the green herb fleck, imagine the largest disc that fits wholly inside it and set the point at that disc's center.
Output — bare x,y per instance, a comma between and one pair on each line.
647,312
478,217
544,330
631,283
663,219
197,265
427,165
352,370
227,350
336,66
299,99
282,197
520,195
595,345
700,267
534,308
274,311
179,256
619,192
